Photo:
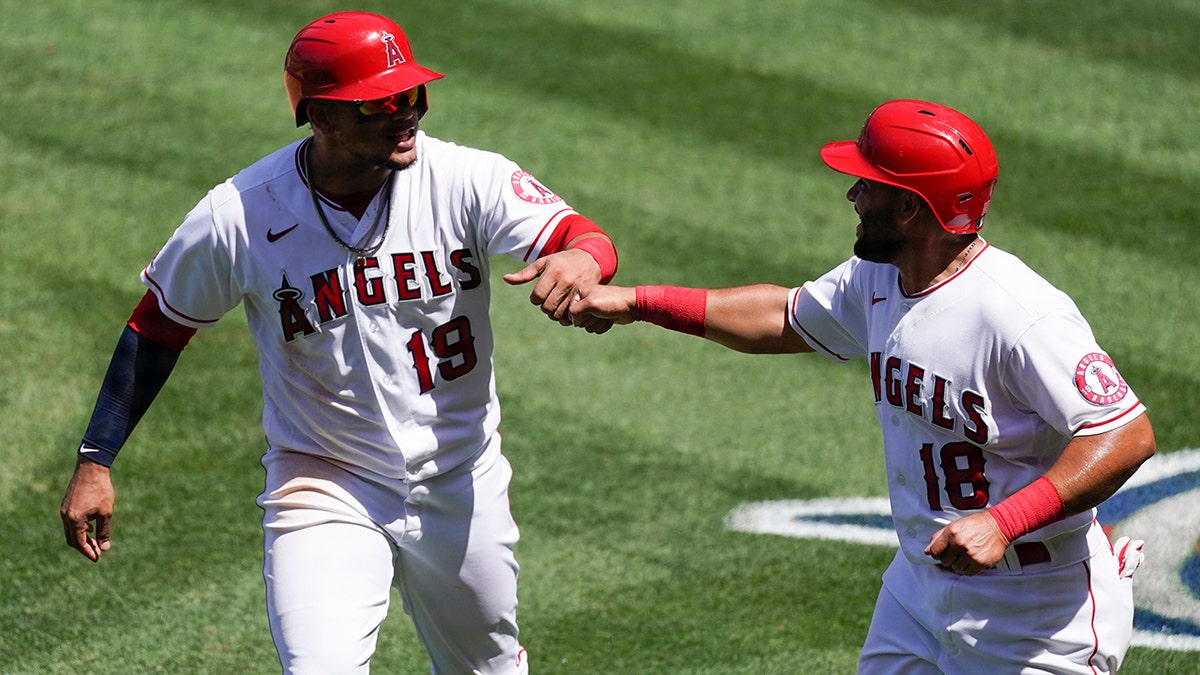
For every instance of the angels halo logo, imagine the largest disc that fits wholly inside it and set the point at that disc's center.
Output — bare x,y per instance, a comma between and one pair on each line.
1157,505
529,189
1098,380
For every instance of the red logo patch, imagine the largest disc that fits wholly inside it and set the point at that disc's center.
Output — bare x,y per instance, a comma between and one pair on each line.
528,189
1098,380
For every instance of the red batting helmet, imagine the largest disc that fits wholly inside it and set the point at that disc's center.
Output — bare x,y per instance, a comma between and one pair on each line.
352,56
927,148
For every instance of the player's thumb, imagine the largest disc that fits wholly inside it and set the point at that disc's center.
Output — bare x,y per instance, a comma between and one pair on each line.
937,543
529,273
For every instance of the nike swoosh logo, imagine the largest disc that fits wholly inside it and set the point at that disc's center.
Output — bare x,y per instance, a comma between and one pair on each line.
276,236
87,451
876,301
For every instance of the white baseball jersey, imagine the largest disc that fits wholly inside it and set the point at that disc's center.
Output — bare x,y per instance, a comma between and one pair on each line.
383,363
979,382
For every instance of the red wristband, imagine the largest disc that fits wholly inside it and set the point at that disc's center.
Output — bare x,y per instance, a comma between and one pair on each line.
672,307
1030,508
604,252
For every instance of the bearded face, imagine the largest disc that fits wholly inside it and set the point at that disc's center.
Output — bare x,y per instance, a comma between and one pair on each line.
879,239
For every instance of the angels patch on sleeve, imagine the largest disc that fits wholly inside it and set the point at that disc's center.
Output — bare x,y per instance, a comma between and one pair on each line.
529,189
1098,381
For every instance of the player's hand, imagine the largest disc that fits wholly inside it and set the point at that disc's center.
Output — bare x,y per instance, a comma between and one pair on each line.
616,304
89,499
968,545
559,277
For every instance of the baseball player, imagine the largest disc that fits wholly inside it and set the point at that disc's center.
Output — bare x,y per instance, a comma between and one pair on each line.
1004,423
360,256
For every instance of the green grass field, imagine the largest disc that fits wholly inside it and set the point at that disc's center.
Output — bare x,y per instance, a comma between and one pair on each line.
690,131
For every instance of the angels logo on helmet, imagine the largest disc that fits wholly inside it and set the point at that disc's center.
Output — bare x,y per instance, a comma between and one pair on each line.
394,56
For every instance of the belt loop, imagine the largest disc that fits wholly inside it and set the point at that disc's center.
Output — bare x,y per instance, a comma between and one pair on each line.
1009,563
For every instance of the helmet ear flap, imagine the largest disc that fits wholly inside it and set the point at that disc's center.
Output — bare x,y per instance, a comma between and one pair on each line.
295,92
422,105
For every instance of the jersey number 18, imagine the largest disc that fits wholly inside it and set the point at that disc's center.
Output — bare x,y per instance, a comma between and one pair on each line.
962,464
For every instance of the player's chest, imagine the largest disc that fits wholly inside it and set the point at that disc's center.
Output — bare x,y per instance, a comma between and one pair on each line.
931,361
390,255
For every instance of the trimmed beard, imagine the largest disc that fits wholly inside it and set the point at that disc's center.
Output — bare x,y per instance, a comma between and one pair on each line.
881,240
396,166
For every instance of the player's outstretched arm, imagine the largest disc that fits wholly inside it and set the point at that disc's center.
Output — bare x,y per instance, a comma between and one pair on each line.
751,319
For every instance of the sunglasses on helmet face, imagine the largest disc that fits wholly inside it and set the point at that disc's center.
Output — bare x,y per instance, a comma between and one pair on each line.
389,104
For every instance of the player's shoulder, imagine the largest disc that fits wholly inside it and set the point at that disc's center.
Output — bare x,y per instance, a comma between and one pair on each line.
855,271
442,152
1008,285
226,210
283,163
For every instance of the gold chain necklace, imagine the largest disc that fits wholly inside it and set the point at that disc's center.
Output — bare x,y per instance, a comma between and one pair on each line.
966,258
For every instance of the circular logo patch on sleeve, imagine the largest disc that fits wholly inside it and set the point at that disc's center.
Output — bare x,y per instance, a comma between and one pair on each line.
528,189
1098,380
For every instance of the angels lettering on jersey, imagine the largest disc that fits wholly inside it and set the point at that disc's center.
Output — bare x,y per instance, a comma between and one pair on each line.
399,276
903,385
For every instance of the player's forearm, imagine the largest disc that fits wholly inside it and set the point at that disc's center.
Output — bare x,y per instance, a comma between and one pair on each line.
577,231
137,371
1092,468
751,319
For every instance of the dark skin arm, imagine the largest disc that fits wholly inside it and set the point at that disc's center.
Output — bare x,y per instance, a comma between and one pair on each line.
137,372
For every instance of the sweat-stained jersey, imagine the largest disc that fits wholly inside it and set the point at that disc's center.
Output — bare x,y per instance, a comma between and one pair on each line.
383,363
979,382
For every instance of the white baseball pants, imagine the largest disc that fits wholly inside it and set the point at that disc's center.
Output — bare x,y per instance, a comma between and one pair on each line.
336,544
1074,619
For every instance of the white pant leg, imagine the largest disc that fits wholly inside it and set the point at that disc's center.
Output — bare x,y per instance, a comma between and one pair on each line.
1071,620
328,569
458,578
897,643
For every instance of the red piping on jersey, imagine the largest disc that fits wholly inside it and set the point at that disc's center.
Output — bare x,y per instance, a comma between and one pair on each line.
159,293
300,150
542,231
1092,599
1111,419
948,279
809,337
